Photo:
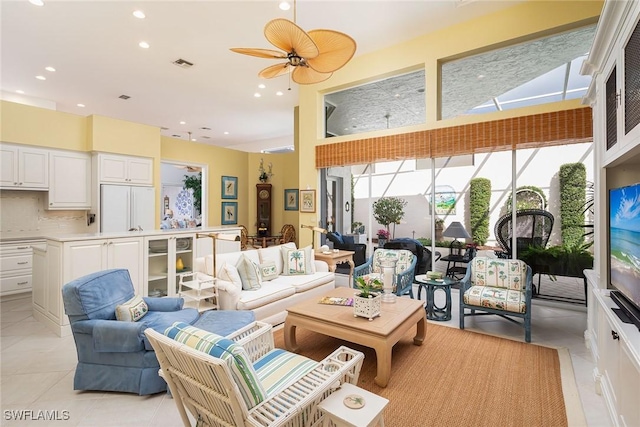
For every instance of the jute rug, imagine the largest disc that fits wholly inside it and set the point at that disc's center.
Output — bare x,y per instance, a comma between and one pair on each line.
460,378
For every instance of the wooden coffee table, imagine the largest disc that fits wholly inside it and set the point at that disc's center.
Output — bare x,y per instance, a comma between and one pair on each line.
381,334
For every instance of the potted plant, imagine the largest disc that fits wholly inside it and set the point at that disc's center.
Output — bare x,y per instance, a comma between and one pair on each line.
383,236
366,302
357,227
389,210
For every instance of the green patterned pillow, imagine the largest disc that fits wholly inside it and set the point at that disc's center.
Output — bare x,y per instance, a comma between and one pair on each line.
236,357
268,270
249,273
132,310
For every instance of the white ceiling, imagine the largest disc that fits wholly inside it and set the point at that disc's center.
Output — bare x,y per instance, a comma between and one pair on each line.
93,45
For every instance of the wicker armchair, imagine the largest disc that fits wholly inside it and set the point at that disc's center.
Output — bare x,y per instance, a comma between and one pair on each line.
208,386
405,269
287,234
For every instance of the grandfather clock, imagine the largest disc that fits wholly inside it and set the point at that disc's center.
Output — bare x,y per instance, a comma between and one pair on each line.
264,209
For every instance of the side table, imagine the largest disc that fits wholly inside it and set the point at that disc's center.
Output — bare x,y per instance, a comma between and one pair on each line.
340,415
435,312
333,258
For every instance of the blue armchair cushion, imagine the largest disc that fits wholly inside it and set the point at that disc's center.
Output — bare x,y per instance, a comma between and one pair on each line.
95,297
132,310
348,240
164,304
117,337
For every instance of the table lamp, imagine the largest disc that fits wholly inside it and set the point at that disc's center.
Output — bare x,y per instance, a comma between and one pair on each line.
313,230
457,231
214,237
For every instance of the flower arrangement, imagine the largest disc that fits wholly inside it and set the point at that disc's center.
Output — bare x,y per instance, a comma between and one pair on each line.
264,174
383,233
368,285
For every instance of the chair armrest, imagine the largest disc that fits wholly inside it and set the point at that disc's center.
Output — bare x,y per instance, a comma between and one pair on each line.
112,336
228,295
363,269
256,338
164,304
299,401
404,280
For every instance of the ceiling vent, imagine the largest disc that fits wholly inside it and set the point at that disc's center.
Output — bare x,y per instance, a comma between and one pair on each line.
205,128
125,97
182,63
164,128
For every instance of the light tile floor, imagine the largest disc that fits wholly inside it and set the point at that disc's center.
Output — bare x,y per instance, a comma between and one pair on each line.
38,367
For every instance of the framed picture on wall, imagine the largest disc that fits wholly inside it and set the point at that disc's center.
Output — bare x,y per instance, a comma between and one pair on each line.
229,187
291,199
308,200
229,213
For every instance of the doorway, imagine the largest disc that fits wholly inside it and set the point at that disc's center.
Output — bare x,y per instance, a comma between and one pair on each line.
183,194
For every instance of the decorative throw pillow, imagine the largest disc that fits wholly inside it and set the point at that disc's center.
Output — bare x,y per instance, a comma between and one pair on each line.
235,356
229,273
132,310
297,261
268,270
249,273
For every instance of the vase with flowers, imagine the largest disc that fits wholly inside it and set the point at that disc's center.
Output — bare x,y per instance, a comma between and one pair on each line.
264,174
366,301
383,236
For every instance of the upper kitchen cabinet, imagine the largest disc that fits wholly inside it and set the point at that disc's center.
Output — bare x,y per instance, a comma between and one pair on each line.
128,170
70,178
24,168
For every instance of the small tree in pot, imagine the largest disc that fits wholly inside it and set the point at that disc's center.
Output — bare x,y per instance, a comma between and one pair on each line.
389,210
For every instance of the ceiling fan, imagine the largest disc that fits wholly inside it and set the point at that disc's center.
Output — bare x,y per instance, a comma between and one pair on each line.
311,57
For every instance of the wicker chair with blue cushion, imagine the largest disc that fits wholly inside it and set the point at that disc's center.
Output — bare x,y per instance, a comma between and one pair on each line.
405,269
242,380
115,355
497,286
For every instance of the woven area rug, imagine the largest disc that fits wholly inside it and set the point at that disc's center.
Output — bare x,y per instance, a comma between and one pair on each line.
461,378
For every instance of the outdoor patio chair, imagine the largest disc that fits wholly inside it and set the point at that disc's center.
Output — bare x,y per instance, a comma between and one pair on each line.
241,380
405,269
497,286
423,254
533,228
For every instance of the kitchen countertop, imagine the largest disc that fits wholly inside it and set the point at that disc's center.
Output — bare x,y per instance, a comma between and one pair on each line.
117,235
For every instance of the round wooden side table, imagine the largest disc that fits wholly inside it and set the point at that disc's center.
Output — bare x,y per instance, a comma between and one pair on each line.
435,312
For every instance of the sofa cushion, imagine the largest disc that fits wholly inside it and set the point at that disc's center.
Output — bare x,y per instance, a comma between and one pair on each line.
132,310
268,270
230,273
231,258
249,273
298,261
235,356
303,283
270,292
274,253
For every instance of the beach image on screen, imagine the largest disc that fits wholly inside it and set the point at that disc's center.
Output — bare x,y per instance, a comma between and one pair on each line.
624,240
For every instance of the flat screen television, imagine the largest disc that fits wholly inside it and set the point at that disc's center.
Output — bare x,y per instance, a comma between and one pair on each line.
624,249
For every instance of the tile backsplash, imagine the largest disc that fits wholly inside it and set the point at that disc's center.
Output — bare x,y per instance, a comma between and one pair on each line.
23,214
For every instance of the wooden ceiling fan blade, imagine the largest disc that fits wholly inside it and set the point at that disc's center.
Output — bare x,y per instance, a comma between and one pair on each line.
306,76
275,71
260,53
287,36
336,49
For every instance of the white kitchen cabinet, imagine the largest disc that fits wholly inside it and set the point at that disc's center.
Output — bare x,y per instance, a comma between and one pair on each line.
165,258
70,180
23,168
65,261
16,263
129,170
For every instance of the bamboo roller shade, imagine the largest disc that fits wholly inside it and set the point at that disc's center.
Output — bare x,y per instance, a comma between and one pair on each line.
534,131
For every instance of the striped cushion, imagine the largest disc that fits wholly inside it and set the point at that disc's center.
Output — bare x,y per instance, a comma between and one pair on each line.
234,354
279,368
497,298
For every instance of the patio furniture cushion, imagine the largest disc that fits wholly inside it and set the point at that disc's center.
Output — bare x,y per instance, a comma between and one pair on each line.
498,298
237,359
403,258
279,368
499,273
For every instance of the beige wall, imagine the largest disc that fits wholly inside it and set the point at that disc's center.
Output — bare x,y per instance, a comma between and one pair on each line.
529,20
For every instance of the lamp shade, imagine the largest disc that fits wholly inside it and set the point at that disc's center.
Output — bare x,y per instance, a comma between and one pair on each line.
456,230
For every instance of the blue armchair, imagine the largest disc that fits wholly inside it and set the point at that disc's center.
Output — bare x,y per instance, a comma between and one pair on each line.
116,355
405,268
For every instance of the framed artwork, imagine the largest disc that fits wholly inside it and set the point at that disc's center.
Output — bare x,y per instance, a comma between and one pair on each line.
308,200
445,200
229,213
291,199
229,187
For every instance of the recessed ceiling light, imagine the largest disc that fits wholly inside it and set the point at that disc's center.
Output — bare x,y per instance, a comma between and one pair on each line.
279,93
397,95
144,45
257,95
480,76
20,91
41,78
193,139
139,14
226,133
80,105
284,5
37,2
183,122
50,69
261,86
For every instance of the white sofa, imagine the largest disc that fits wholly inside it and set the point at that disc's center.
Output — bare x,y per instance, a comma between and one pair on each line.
269,303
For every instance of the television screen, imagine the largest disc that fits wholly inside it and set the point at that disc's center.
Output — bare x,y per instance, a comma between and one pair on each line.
624,241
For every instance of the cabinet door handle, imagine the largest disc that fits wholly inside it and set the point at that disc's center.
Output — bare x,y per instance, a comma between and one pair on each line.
22,283
24,247
23,262
615,335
